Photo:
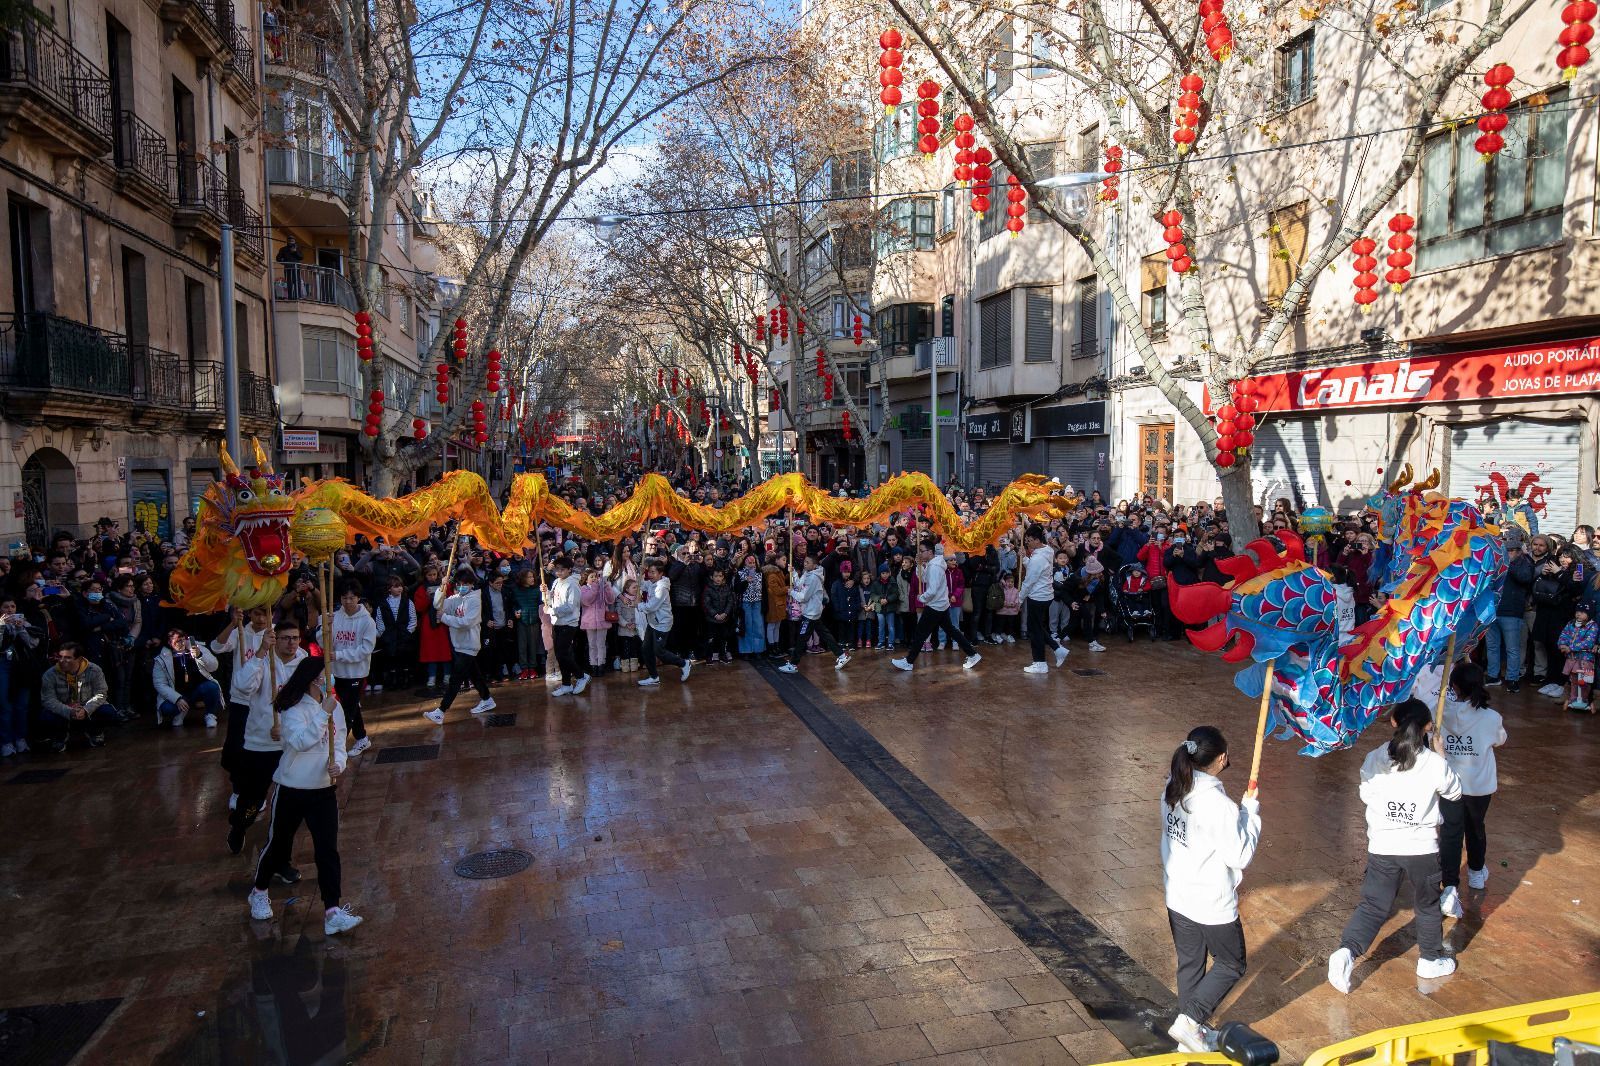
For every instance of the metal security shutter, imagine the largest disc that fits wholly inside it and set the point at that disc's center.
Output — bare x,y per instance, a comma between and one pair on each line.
1071,462
152,502
994,464
1027,459
995,331
1036,342
914,455
1540,458
199,482
1286,461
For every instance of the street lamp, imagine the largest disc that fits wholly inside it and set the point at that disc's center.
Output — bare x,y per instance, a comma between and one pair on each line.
1076,201
606,226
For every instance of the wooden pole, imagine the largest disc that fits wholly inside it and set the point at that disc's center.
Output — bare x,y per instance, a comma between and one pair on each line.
272,671
1444,686
325,572
1261,723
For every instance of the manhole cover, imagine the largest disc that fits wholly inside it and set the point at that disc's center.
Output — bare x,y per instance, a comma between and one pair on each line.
409,753
487,864
500,720
37,777
1090,673
51,1034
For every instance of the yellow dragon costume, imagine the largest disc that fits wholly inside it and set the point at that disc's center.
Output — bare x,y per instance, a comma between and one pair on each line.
241,553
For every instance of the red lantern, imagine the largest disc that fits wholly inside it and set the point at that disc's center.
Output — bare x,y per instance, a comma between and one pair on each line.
1495,100
1366,281
1225,459
1113,167
661,377
980,179
1400,257
889,60
928,124
1575,37
845,425
1214,24
856,331
1017,207
761,328
1188,118
674,387
1177,253
1244,423
1244,439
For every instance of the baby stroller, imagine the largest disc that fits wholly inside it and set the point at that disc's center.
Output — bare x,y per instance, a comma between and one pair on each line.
1133,598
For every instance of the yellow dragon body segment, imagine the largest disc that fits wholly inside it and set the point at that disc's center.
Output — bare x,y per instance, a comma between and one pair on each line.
462,495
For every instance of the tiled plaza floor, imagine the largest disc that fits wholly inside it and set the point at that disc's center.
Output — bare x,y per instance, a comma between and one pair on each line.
711,885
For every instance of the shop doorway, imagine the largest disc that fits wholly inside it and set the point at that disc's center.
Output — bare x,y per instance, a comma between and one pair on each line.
49,496
1156,460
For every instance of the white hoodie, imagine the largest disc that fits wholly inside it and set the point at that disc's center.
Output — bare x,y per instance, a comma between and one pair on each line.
253,682
1206,842
246,642
1403,805
1470,735
1038,575
655,610
807,592
461,613
354,637
566,604
935,589
305,744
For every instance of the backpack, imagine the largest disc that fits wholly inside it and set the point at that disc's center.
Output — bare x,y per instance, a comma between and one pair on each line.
996,598
1547,590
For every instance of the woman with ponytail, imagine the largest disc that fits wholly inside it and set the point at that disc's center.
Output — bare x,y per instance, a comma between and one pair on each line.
1472,730
1402,783
1206,842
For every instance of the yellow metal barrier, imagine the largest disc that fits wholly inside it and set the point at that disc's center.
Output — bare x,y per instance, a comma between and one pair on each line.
1530,1025
1177,1058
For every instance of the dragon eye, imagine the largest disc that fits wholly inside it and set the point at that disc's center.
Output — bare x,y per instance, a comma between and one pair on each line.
275,492
245,496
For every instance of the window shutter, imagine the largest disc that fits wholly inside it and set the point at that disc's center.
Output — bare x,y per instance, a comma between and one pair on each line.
995,331
1088,311
1002,333
1153,272
1286,244
1036,344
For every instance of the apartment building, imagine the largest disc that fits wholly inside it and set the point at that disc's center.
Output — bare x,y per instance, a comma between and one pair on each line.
312,102
127,131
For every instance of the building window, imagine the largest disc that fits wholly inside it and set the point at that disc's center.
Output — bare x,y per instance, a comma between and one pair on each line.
998,70
329,360
402,234
993,222
1042,162
1153,281
1297,81
901,327
855,247
1287,238
947,317
1475,210
907,224
1039,325
895,135
948,199
850,175
817,261
1045,62
994,325
1087,346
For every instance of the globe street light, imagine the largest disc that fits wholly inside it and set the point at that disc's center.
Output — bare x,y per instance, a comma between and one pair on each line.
1076,201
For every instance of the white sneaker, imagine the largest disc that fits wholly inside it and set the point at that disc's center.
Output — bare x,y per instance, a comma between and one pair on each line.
361,745
484,705
1010,639
901,664
1036,668
1432,968
1553,690
1478,879
1061,655
970,661
1450,901
561,690
581,684
177,719
788,668
436,716
1340,963
22,747
260,905
1189,1034
687,666
1095,645
842,661
233,801
7,750
649,682
339,920
375,689
211,721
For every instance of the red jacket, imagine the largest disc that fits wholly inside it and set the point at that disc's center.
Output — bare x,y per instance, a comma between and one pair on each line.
1154,557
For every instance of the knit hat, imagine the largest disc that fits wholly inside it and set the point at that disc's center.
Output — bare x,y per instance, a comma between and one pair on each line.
845,568
883,568
1093,566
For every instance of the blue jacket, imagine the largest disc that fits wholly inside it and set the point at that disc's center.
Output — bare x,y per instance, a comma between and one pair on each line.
1519,583
846,602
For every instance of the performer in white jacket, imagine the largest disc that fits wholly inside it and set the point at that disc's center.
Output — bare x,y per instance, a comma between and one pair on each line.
258,683
306,793
655,622
565,611
1038,593
805,589
246,636
461,613
355,635
1401,784
1206,842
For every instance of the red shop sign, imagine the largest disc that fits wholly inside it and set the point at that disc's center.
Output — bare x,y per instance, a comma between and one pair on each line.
1561,368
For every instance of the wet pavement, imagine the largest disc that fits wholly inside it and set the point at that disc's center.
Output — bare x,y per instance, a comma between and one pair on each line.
957,868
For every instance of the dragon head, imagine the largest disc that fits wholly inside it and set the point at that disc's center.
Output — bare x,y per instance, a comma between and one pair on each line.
253,508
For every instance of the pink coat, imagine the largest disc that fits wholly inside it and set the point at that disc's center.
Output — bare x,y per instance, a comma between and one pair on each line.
594,600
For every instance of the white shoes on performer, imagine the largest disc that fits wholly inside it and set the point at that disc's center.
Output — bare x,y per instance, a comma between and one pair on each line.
1429,969
647,682
1036,668
788,668
579,685
338,920
260,905
1340,963
484,706
842,661
1095,645
1061,655
687,666
901,664
436,716
970,661
561,690
1191,1036
1450,902
361,745
211,721
1478,879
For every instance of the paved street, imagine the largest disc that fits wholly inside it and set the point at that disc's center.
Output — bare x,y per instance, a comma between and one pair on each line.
754,869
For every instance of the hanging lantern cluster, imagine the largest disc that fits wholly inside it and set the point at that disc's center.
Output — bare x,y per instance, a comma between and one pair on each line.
761,329
673,388
800,326
1400,256
783,321
441,383
981,174
1236,423
374,413
1113,167
965,140
775,400
1177,251
661,378
480,423
845,425
1366,265
856,331
1575,37
1188,119
1495,101
461,340
1214,24
364,335
827,386
889,76
493,376
1017,207
419,428
928,122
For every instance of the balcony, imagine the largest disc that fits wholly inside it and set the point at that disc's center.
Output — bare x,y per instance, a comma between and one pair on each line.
53,91
249,238
204,25
313,187
141,158
941,348
199,196
239,69
1089,348
46,359
308,56
300,283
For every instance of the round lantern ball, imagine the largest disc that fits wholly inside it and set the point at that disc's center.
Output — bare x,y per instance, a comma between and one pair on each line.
1225,459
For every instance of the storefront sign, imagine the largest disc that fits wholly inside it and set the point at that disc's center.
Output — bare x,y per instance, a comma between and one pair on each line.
1073,420
987,427
302,440
1564,368
328,449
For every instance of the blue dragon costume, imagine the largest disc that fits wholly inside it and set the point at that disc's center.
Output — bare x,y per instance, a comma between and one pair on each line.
1439,568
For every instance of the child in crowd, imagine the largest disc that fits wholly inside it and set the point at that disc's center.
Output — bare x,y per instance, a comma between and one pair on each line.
595,600
628,624
396,622
1578,640
499,635
566,614
845,599
526,599
718,606
885,592
1009,614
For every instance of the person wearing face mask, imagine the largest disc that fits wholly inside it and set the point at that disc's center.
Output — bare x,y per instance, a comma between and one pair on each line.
1184,564
1153,557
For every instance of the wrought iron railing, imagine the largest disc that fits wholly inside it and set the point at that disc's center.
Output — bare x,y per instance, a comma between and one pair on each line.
312,55
309,170
38,58
199,185
156,377
241,53
1086,349
248,233
141,152
312,284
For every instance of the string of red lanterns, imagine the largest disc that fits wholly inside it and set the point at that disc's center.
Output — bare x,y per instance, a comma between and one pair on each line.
1236,423
1113,167
1017,208
980,180
1177,252
965,140
364,335
480,423
1400,257
889,76
441,383
492,378
1214,24
1188,118
461,340
845,425
856,333
374,422
1575,37
1366,279
1495,101
928,123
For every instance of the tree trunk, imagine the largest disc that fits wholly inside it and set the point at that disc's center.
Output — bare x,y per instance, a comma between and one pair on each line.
1237,498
